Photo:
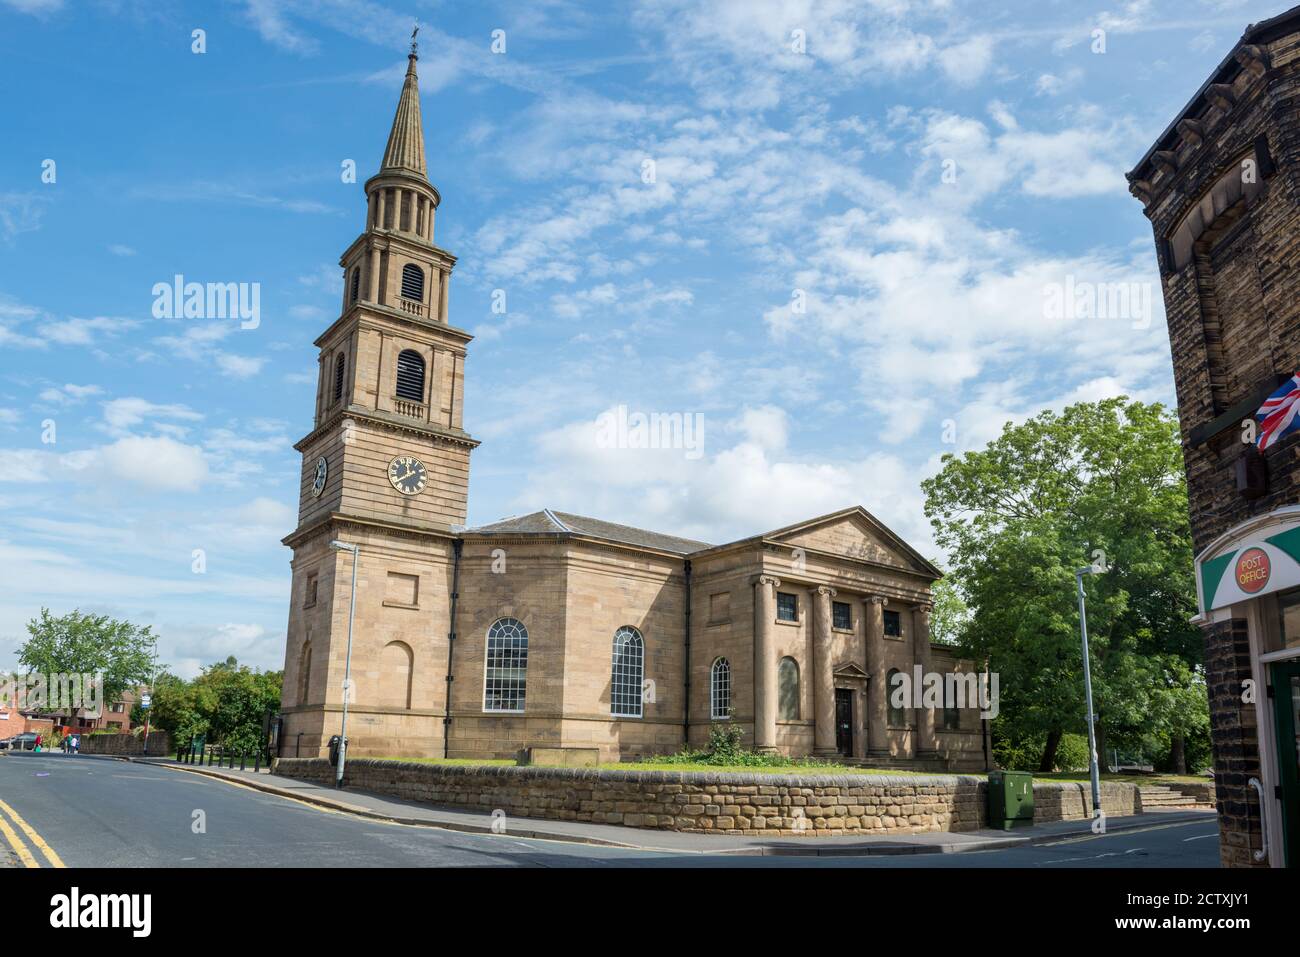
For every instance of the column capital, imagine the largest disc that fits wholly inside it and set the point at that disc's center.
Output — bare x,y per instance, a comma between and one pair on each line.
875,600
826,590
767,580
924,609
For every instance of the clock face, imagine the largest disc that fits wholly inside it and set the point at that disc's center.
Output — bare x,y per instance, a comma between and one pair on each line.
322,473
408,475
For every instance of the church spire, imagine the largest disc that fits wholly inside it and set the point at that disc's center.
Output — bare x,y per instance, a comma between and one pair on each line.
405,151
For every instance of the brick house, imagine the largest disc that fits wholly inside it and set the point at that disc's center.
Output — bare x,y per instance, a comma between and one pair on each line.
553,629
1221,187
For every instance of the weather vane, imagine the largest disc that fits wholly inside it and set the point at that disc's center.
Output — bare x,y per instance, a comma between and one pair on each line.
414,43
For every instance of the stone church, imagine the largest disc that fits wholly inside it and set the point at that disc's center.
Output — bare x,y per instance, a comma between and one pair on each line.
552,629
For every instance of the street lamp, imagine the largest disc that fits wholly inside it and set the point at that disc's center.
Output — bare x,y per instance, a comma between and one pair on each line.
347,662
153,676
1093,770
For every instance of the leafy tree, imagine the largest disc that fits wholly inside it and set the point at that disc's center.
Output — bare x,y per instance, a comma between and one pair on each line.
226,703
1100,483
950,615
89,644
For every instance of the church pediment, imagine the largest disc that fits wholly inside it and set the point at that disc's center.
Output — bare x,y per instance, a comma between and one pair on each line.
855,533
849,671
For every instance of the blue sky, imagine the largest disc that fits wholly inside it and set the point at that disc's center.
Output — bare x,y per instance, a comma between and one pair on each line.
917,177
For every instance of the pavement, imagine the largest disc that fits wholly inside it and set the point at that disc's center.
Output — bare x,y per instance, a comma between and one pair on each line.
399,811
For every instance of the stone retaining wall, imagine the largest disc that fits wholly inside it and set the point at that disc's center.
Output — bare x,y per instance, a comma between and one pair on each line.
723,802
160,743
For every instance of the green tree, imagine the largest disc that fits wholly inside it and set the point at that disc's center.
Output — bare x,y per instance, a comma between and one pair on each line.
226,703
1100,483
89,644
950,615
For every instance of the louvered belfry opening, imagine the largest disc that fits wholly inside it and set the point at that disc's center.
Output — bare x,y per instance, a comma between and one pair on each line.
339,364
413,283
410,375
356,282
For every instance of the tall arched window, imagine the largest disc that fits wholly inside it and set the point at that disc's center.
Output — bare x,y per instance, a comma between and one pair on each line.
505,675
410,375
625,693
356,282
396,666
340,366
896,716
951,715
413,282
720,690
787,680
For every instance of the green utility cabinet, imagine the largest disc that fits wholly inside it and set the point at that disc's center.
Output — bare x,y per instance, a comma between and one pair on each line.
1011,799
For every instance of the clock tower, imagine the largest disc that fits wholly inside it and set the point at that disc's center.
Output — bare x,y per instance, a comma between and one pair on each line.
386,468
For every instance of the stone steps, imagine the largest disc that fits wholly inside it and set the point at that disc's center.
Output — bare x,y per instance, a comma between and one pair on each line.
1159,796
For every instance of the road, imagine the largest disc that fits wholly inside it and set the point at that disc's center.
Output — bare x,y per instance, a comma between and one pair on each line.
84,812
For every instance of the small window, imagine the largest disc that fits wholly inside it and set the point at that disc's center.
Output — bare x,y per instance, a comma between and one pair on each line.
505,677
356,282
787,607
310,598
787,680
893,624
410,375
841,615
896,717
625,686
413,283
340,366
720,690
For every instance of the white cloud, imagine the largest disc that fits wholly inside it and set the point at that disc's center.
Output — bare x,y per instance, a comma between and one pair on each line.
154,462
966,63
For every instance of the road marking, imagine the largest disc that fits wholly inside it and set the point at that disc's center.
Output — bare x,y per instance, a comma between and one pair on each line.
19,847
32,836
1201,837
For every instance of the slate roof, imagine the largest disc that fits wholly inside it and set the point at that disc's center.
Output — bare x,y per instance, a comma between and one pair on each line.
547,522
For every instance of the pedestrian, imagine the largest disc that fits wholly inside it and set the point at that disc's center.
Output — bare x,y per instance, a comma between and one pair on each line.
76,744
37,745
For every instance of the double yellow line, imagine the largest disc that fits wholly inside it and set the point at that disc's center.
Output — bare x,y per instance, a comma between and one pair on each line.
16,842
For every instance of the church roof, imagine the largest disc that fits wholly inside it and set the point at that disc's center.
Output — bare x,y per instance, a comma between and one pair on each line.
405,151
547,522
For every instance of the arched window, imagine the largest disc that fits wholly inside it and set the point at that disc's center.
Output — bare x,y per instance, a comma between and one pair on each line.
625,694
505,674
410,375
787,680
413,282
720,690
340,365
304,672
896,717
356,282
396,666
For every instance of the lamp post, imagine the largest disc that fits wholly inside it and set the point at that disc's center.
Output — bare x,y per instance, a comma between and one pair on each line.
347,661
1093,771
153,676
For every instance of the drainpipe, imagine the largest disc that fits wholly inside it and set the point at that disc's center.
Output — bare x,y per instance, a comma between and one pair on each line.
686,669
456,547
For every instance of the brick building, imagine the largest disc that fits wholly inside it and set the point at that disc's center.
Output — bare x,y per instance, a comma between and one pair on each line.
553,629
1221,187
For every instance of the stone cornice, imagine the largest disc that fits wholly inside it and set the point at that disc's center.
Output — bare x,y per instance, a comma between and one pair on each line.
396,423
397,316
390,238
326,523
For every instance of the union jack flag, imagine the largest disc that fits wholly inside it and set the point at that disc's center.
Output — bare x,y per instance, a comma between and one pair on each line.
1277,416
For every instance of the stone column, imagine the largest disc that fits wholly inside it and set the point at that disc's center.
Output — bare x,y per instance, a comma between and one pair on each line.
925,740
765,663
823,676
443,293
380,211
374,275
877,690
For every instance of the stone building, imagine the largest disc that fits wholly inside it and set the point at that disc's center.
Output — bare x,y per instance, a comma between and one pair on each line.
551,629
1221,187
